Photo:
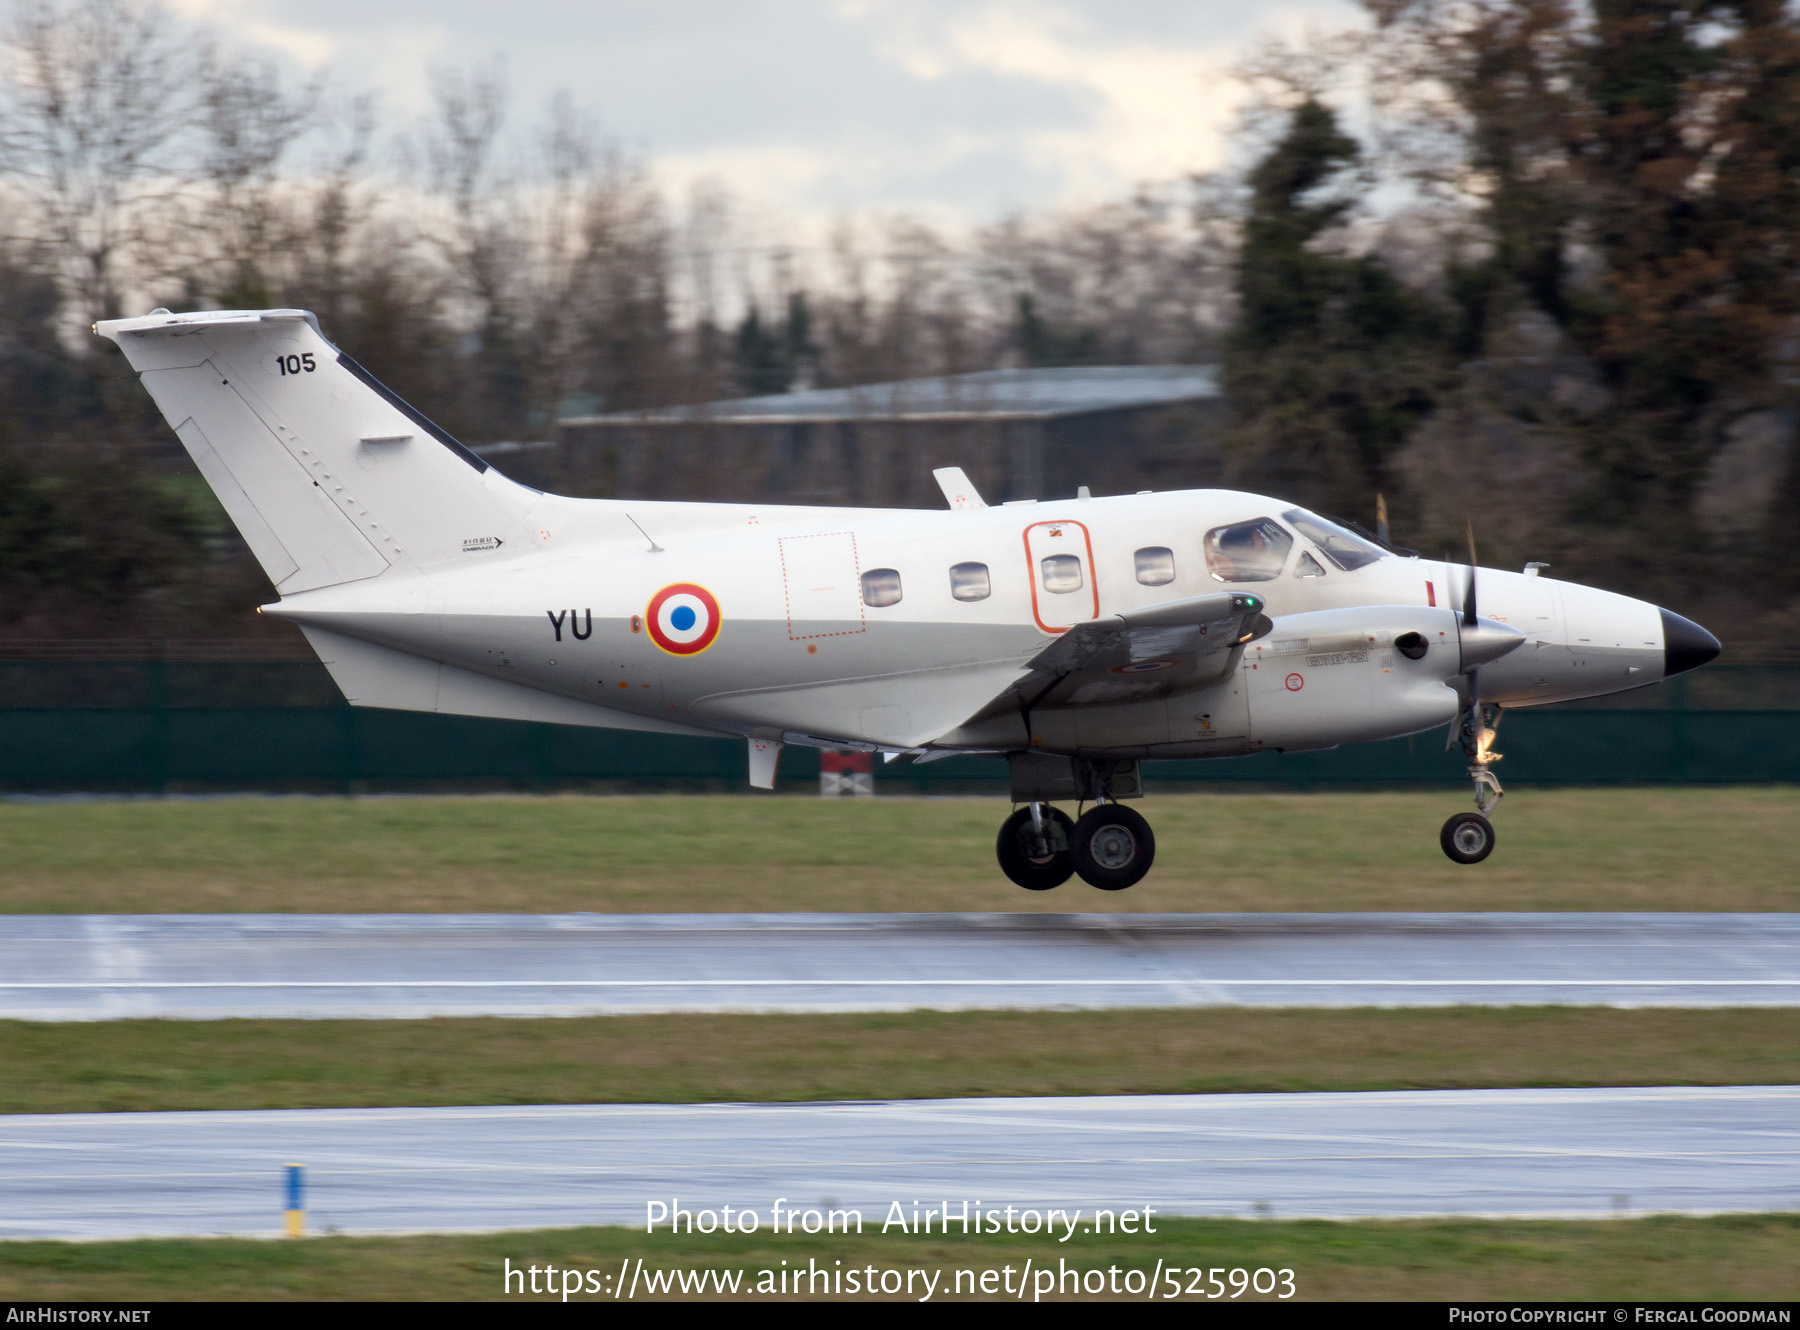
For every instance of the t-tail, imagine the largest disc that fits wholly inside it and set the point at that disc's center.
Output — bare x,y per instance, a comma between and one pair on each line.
329,476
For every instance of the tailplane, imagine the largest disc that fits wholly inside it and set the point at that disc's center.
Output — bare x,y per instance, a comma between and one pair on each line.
329,476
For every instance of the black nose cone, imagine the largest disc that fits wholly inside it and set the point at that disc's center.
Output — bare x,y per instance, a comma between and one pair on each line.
1686,645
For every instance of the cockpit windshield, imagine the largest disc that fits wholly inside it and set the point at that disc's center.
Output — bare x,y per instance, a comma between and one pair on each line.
1253,551
1346,549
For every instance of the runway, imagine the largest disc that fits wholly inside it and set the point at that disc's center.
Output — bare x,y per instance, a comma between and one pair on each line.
98,967
1468,1152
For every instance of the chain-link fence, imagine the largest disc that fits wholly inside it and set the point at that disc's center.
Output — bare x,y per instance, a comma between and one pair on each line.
162,723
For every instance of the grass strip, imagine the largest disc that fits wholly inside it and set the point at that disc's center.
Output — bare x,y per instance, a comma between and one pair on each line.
144,1065
1637,849
1658,1258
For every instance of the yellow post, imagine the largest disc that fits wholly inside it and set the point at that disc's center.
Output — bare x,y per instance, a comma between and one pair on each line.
296,1209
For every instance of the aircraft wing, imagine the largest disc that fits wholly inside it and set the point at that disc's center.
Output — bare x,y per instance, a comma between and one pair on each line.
1172,647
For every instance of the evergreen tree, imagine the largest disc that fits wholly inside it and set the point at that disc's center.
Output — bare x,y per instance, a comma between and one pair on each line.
771,360
1332,359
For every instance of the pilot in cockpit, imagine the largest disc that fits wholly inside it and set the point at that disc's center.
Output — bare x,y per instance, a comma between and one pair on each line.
1247,552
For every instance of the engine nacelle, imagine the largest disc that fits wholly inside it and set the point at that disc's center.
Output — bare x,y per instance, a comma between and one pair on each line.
1342,676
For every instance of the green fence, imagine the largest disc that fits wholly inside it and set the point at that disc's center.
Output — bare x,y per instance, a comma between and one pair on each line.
177,726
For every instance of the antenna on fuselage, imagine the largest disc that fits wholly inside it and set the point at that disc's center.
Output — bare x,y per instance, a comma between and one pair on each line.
654,547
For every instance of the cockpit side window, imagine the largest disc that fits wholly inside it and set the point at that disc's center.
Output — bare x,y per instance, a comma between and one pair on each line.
1247,551
1307,566
1346,549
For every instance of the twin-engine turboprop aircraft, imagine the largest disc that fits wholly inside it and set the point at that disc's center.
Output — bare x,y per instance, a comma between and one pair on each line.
1076,637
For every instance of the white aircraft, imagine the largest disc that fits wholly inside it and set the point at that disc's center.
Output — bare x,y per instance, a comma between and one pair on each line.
1076,637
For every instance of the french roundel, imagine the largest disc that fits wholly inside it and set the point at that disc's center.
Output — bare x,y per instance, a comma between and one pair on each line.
683,619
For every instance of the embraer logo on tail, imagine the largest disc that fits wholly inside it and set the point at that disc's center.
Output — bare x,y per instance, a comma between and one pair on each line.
474,543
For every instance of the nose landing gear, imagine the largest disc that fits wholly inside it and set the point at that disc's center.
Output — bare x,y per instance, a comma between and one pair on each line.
1468,838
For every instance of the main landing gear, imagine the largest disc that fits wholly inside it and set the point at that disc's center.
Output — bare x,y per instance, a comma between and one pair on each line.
1111,846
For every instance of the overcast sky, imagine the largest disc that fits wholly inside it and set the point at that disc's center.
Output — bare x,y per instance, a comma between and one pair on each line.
952,108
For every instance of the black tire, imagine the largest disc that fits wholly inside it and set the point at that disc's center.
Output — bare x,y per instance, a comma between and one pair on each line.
1467,838
1112,847
1014,849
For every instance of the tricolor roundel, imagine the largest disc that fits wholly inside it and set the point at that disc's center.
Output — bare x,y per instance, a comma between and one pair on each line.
683,619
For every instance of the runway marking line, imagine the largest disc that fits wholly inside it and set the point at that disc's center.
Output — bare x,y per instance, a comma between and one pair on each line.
589,1170
1065,1104
109,984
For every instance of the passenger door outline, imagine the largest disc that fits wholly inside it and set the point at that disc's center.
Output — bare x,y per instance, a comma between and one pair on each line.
1046,538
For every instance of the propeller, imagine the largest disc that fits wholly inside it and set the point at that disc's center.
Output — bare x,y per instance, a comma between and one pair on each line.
1469,615
1480,641
1382,534
1471,622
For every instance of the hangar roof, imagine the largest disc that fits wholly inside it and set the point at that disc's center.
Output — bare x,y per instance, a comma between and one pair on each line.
1018,394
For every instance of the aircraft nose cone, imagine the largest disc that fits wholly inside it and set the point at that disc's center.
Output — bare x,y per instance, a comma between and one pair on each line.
1686,645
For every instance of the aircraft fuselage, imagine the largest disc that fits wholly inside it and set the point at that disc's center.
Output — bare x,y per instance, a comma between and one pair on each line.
799,652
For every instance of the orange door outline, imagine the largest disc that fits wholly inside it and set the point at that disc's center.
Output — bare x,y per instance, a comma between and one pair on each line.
1032,571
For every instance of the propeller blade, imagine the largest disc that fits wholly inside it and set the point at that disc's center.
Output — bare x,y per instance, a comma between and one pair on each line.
1382,533
1469,600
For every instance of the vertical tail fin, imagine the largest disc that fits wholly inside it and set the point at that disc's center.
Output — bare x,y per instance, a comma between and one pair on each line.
329,476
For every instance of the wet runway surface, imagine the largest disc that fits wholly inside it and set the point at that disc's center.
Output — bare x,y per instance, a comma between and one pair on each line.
98,967
1470,1152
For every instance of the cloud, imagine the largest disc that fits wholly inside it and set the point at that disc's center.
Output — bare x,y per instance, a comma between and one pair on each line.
970,107
1154,103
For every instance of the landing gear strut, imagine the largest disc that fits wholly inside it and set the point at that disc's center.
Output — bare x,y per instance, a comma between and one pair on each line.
1111,847
1468,838
1039,848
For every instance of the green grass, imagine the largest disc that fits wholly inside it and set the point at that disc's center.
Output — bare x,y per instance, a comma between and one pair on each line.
1683,849
1737,1257
142,1065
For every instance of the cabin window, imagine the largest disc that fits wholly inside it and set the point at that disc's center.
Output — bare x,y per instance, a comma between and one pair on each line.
1307,566
1062,574
881,587
1346,549
1251,551
969,581
1156,565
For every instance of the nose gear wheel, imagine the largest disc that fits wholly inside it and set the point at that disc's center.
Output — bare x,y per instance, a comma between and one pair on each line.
1468,838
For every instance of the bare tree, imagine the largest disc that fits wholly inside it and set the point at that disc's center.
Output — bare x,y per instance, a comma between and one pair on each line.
340,205
1143,280
100,95
248,124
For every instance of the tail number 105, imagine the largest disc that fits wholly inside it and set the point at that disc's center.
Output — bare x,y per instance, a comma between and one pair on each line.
300,364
